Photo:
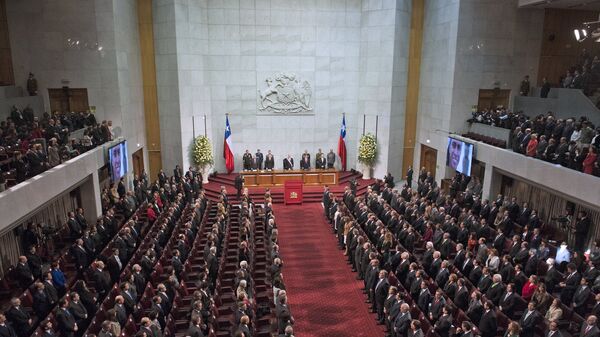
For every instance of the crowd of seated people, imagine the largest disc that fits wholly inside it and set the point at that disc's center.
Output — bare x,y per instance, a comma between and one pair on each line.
568,142
154,264
30,145
584,75
59,298
432,263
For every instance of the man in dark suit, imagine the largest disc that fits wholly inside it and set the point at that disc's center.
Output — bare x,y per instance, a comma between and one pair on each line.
129,298
120,310
461,298
488,324
553,330
569,286
41,302
506,269
19,318
508,301
114,265
101,279
581,296
381,292
213,267
195,329
529,320
475,309
589,328
74,226
77,309
485,281
496,290
80,255
288,163
176,263
582,227
442,276
67,326
5,329
35,263
402,322
23,273
424,297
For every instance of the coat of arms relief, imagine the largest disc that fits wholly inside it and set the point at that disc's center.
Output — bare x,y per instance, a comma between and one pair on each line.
285,93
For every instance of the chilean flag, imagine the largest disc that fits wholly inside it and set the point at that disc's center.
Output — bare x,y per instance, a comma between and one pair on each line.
227,149
342,144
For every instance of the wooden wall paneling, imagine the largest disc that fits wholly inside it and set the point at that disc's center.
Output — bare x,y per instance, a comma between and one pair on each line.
6,67
559,49
413,82
151,117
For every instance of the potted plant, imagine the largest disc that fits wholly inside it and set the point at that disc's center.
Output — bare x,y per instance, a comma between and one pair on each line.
367,154
202,156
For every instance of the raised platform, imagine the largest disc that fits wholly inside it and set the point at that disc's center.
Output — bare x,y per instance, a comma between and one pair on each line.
312,177
310,193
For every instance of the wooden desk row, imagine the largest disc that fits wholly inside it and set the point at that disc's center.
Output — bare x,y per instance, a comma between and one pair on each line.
311,177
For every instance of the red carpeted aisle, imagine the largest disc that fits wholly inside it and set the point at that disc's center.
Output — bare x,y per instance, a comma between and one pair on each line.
325,297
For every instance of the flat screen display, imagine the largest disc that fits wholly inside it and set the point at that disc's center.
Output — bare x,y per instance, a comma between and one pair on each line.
117,156
459,156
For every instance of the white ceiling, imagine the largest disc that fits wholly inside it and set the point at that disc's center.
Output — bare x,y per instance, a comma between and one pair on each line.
591,5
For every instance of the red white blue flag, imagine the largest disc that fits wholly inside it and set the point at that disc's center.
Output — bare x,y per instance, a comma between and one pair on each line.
227,148
342,144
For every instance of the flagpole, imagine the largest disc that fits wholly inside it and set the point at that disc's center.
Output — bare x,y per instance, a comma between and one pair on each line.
193,127
376,125
204,125
364,123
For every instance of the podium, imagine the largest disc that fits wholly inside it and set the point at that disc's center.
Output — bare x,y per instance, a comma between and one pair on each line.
293,192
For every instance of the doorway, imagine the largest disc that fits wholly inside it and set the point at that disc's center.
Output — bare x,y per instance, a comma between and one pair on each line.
67,99
492,98
429,159
138,162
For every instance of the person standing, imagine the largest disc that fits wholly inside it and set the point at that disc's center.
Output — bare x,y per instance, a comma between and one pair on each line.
582,227
330,159
320,160
288,163
32,86
524,88
259,159
239,185
545,88
305,162
269,161
409,176
247,159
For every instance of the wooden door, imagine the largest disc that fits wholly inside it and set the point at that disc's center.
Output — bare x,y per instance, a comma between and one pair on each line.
491,98
7,76
138,162
68,99
428,159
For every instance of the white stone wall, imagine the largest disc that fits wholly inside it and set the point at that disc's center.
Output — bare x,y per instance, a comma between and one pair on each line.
226,49
44,37
469,45
92,44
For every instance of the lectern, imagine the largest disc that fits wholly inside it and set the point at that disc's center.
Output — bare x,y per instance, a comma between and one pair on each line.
293,192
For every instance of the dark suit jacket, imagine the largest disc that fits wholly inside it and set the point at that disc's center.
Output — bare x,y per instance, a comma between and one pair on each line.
23,274
194,331
19,319
475,312
423,300
443,325
402,324
495,292
508,304
461,299
41,303
7,331
581,296
78,310
488,325
528,325
66,321
594,331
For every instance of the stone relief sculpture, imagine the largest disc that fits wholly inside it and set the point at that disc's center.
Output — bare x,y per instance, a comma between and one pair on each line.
285,93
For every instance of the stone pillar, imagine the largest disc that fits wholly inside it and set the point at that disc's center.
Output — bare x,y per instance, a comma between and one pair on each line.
491,183
90,197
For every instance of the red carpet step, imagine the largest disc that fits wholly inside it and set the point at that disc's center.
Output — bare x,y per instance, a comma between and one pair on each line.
325,298
311,193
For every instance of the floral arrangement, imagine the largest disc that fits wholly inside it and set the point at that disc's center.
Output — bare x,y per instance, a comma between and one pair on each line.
367,149
202,151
